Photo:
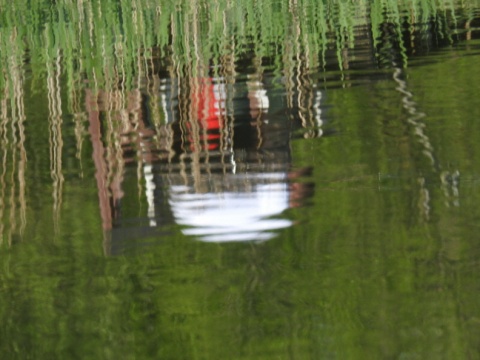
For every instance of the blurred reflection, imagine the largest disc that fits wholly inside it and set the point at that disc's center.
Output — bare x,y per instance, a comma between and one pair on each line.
13,155
207,137
55,133
219,165
243,207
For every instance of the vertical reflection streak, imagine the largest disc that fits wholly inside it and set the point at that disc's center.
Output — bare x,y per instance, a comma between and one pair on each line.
13,120
19,96
75,109
13,204
288,61
414,119
418,126
229,75
55,130
448,180
3,148
12,207
13,158
117,101
99,160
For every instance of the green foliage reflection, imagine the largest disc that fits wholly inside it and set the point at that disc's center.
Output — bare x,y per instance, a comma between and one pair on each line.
383,263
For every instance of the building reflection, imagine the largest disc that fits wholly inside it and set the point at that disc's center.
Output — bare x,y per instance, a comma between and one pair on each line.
210,147
217,162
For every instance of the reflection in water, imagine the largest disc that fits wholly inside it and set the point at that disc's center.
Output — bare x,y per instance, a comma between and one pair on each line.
157,122
207,96
55,132
242,213
13,203
449,180
222,172
394,44
210,135
236,192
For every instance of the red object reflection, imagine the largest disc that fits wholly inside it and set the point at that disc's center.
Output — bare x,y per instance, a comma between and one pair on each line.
204,129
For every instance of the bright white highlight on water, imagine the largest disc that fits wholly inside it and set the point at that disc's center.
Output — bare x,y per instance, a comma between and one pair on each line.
232,216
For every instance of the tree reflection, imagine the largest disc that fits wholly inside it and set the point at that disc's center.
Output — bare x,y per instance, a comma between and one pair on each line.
184,94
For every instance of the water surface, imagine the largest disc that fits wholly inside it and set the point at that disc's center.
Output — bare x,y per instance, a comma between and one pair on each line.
200,180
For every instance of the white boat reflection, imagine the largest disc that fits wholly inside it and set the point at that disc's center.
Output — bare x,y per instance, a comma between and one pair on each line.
242,215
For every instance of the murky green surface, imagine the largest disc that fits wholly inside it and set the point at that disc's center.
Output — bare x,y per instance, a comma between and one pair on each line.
251,180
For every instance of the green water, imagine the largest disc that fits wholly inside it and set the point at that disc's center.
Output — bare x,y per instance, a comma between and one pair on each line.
239,180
